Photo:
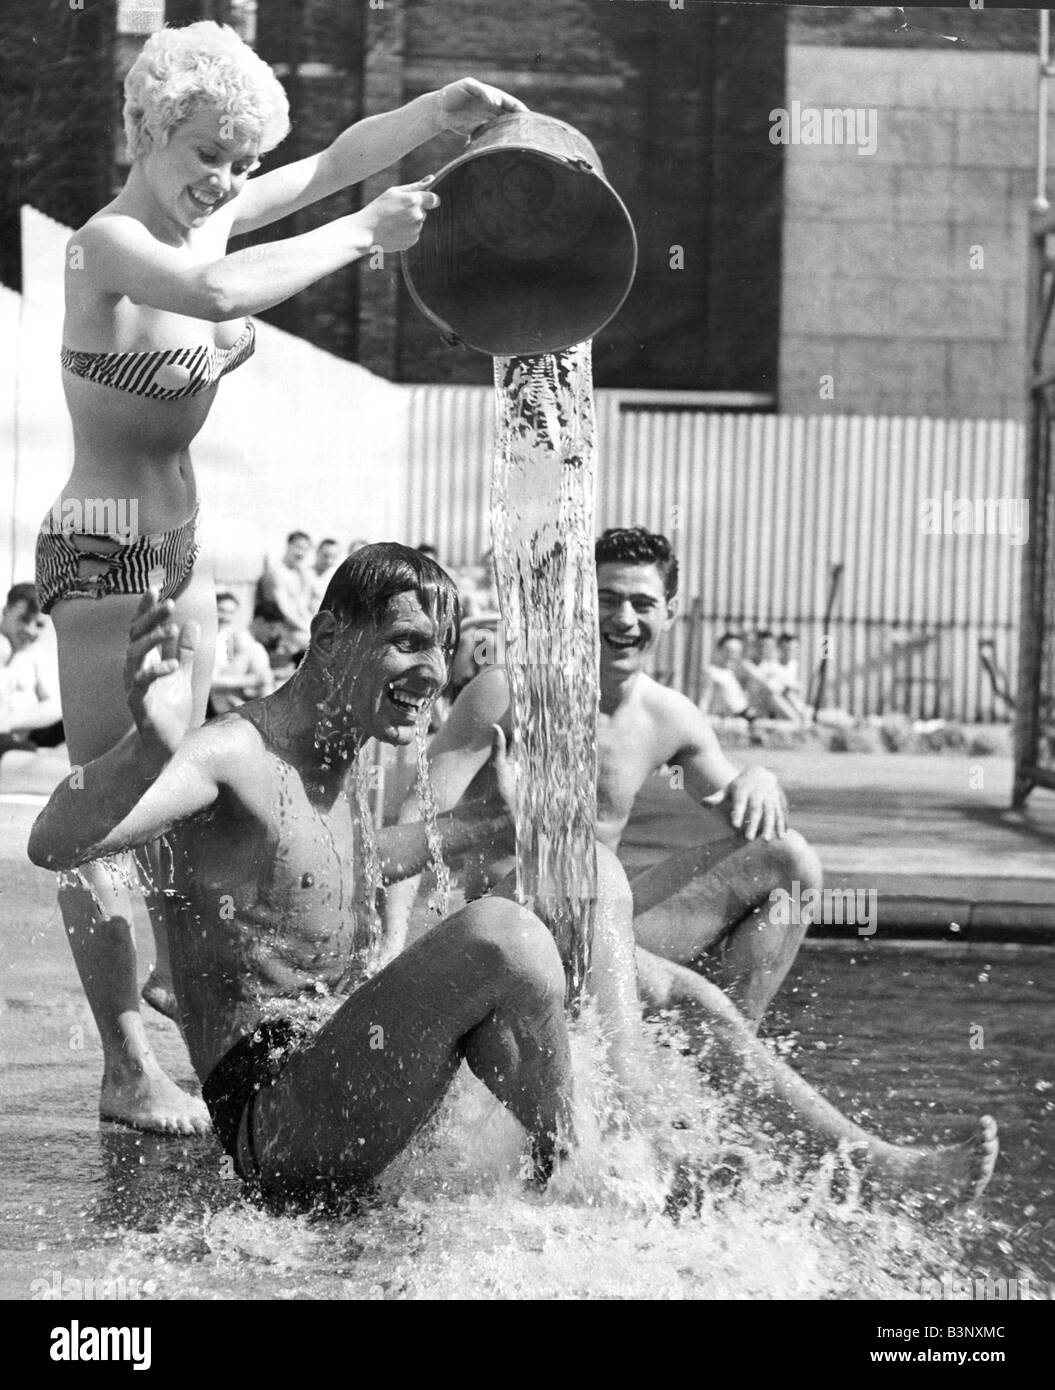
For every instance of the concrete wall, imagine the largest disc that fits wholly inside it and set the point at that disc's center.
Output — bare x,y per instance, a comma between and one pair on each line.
878,290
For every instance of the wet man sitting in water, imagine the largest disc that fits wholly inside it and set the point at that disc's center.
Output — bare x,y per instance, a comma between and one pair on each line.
641,727
318,1067
712,898
316,1071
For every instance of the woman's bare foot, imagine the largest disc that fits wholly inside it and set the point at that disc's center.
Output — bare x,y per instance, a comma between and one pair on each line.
953,1172
160,995
139,1094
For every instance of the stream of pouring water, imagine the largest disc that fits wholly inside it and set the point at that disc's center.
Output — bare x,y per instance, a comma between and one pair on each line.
542,526
439,898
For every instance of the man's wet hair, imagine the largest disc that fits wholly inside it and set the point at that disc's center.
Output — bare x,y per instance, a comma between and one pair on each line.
731,636
633,545
24,593
298,536
365,583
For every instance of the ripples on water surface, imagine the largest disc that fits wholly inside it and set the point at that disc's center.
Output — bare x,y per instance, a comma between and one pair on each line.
883,1030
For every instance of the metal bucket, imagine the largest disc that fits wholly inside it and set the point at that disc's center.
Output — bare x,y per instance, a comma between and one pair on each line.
531,249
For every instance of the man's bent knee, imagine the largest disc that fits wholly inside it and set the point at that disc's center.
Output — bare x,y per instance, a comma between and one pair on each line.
792,859
515,943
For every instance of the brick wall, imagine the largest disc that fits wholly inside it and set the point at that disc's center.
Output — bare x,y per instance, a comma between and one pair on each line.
878,287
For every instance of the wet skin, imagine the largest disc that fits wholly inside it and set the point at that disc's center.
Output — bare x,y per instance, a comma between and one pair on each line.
263,836
267,895
266,907
642,726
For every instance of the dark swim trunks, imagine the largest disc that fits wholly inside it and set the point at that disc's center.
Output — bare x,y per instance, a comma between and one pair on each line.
232,1086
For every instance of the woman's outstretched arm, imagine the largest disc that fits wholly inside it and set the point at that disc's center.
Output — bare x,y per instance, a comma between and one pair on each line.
366,148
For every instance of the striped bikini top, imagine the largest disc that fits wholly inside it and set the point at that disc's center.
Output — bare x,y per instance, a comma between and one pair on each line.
165,375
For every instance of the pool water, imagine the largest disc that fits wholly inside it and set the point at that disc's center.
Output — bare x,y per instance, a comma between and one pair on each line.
883,1030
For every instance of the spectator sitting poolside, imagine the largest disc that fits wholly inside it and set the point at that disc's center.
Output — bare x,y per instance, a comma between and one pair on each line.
30,709
788,663
725,695
324,567
766,683
242,668
269,629
288,583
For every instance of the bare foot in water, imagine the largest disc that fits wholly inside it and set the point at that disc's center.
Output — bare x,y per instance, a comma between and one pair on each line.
160,995
143,1097
952,1172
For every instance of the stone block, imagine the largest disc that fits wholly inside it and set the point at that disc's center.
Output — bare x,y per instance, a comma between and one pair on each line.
951,195
848,190
951,79
806,304
914,252
804,359
863,303
952,309
810,242
913,137
994,140
977,376
863,739
837,76
1003,256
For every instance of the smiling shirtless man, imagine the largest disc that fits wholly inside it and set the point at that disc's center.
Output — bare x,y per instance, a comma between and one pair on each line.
710,898
318,1068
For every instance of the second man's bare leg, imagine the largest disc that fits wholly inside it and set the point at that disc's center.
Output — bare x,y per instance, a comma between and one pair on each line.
716,898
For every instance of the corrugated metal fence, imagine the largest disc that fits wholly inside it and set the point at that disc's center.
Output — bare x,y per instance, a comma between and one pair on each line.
760,508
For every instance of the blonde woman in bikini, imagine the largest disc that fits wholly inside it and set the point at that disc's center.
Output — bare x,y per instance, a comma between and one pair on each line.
156,313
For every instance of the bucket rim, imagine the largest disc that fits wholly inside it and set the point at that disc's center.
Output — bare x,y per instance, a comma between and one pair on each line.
581,165
577,164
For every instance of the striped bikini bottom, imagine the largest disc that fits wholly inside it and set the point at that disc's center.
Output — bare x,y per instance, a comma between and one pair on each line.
75,565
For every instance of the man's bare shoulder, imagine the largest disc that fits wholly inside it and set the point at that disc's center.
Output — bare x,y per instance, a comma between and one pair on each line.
229,745
671,712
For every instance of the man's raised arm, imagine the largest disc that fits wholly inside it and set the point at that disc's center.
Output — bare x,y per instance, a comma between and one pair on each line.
404,848
153,777
757,805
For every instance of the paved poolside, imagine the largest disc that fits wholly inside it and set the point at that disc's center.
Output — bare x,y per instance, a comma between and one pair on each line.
932,834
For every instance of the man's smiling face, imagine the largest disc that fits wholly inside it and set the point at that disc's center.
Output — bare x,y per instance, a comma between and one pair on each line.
390,674
633,612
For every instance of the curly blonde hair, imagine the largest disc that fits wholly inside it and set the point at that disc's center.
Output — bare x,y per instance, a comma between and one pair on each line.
200,65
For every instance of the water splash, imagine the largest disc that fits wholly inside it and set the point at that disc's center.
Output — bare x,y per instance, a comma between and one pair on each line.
542,524
118,873
369,924
453,1217
439,898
